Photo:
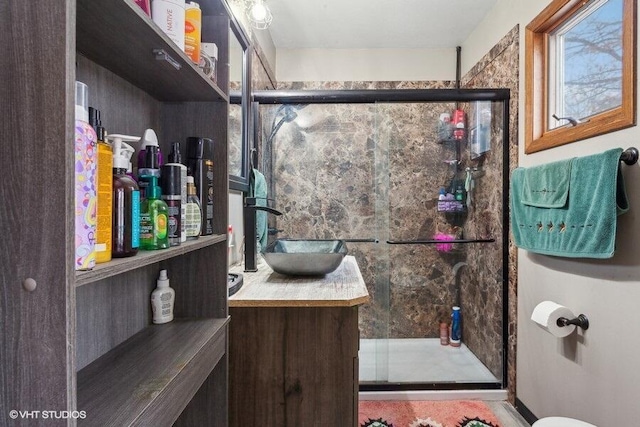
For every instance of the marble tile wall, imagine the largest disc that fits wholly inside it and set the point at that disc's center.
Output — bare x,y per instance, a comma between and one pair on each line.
482,287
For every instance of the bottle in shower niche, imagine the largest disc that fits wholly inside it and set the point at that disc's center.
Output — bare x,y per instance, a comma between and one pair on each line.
154,219
162,300
456,327
200,166
125,225
84,183
193,211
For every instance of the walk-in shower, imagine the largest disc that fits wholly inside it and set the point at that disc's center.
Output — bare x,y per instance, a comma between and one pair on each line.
368,166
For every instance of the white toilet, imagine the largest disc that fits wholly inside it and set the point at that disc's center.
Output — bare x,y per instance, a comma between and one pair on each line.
560,422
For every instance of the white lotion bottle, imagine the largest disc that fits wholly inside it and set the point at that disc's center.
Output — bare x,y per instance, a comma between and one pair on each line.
162,299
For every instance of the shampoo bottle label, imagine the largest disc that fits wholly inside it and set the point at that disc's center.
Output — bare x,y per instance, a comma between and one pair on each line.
135,219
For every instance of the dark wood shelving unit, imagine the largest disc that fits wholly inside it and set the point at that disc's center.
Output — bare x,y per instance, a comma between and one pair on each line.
84,341
150,378
143,258
119,36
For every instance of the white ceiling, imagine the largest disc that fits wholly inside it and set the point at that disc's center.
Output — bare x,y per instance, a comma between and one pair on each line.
372,24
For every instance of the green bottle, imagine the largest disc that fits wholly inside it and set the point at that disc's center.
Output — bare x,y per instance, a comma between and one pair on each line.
154,218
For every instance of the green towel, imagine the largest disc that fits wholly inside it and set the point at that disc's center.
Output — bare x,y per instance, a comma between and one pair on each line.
547,186
258,189
575,220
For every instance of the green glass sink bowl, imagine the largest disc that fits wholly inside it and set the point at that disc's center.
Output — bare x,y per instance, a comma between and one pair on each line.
300,257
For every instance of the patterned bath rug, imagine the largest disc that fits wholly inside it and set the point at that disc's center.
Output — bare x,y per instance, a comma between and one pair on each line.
425,413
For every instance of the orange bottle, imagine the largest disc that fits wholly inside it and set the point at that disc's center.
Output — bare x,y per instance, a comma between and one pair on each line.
192,31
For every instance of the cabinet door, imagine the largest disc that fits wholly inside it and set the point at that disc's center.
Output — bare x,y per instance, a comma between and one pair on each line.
36,124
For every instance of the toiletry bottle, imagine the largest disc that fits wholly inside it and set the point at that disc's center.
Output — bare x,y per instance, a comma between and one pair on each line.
192,31
193,219
200,166
171,187
153,219
85,183
444,334
175,159
456,327
169,16
231,244
104,186
459,131
125,225
149,160
162,300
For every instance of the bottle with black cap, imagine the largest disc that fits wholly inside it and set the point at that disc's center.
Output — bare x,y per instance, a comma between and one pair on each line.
175,159
171,194
200,166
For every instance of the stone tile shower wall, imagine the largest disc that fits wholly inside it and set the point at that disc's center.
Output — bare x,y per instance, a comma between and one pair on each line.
482,289
324,179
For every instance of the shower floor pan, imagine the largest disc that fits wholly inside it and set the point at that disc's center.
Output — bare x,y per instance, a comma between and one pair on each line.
420,360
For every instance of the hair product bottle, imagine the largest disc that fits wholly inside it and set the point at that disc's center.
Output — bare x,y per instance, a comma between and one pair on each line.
85,183
200,166
149,160
104,187
171,188
193,219
125,226
154,219
175,159
162,300
192,31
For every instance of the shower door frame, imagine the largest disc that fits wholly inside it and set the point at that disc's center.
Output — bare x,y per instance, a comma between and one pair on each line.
372,96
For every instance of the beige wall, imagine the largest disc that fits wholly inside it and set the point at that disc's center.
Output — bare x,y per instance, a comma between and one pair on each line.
303,65
592,376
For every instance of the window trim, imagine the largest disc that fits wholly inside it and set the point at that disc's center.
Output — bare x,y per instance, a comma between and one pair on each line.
537,135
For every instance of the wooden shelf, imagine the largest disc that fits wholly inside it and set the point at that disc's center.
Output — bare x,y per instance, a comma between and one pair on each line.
122,265
150,378
119,36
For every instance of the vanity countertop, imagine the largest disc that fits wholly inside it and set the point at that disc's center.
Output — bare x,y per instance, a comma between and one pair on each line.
342,288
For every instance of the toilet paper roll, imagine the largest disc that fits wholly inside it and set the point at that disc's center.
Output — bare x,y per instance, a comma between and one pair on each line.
546,315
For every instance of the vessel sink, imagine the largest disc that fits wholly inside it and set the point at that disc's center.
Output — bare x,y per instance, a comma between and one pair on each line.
298,257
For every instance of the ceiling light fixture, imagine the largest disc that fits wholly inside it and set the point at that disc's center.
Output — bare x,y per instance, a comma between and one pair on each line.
258,14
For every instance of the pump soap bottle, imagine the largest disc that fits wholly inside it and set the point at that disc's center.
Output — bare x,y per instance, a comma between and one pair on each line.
125,226
154,219
85,183
162,300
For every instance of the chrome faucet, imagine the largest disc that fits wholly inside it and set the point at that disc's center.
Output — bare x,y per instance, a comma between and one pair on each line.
250,245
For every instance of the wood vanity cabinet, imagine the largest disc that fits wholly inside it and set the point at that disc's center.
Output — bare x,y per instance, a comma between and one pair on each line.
294,349
83,341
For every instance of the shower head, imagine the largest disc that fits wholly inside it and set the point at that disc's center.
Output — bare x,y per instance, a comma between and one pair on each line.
289,114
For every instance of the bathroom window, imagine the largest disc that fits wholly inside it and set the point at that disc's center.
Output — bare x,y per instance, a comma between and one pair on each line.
579,71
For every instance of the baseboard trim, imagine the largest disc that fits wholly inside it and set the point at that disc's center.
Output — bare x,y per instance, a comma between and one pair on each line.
525,412
434,395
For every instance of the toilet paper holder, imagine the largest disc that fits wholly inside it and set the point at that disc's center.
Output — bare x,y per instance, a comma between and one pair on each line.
580,321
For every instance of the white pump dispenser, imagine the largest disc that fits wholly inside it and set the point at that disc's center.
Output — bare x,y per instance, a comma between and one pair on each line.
162,299
122,151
